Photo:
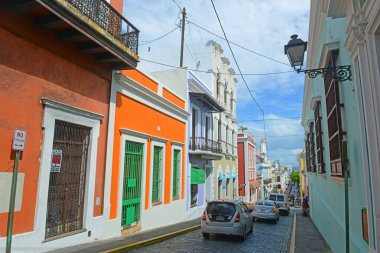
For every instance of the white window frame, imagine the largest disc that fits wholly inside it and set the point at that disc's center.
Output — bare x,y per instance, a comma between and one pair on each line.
53,111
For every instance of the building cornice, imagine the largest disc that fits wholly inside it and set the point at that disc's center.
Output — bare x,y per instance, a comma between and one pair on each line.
129,85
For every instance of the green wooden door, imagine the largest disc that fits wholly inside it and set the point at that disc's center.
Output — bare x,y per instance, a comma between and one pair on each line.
131,205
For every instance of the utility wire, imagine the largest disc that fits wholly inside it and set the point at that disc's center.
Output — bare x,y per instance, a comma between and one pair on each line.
290,118
162,36
237,65
233,43
208,71
179,7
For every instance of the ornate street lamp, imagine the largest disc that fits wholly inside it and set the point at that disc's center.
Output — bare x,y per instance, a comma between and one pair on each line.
295,50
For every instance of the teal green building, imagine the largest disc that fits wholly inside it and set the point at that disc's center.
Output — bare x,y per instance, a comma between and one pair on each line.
333,134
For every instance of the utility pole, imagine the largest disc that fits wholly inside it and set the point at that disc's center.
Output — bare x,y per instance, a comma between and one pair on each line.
182,36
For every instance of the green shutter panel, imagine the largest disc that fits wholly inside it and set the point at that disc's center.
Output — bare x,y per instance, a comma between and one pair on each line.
156,174
176,173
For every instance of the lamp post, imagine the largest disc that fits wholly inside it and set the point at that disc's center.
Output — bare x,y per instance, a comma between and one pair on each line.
295,50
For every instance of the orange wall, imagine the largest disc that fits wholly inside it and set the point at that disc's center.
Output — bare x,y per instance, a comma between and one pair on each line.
141,79
136,116
173,98
27,74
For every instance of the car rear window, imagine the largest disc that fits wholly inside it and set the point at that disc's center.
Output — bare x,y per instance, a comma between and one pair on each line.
280,198
272,197
269,203
220,208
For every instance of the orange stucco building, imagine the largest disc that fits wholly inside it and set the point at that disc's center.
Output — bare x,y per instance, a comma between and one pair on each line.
58,91
147,182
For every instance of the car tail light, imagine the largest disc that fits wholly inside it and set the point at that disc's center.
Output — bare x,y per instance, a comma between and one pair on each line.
204,216
286,205
237,218
273,210
253,208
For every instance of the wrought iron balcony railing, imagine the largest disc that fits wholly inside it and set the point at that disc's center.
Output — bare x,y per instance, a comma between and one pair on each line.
105,16
201,143
228,148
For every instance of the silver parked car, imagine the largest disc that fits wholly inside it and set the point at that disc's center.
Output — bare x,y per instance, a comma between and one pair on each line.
228,218
266,209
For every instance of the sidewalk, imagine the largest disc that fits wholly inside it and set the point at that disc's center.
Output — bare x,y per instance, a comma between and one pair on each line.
139,239
307,237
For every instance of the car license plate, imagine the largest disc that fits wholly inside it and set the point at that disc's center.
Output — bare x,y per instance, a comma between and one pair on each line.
220,218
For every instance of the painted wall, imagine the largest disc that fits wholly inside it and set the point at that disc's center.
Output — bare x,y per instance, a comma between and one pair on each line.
40,66
37,72
327,192
157,123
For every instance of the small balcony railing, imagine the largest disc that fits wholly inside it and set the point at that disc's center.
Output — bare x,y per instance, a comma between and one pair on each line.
203,144
228,148
105,16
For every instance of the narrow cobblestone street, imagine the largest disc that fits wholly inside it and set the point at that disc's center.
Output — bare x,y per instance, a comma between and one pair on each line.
266,237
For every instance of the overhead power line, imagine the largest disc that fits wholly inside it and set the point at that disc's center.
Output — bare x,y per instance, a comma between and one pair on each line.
240,46
237,65
156,39
175,2
208,71
290,118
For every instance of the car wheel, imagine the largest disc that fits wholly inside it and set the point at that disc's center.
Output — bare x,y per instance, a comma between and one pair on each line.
206,236
244,234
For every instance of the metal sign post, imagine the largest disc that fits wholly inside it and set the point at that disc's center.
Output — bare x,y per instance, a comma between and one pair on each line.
18,146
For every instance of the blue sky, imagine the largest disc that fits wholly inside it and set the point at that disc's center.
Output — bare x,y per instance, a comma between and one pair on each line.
263,26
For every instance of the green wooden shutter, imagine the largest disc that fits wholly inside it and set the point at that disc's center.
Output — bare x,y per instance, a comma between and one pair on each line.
176,173
156,174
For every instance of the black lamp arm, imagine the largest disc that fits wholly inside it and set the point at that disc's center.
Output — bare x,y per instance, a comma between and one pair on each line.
339,73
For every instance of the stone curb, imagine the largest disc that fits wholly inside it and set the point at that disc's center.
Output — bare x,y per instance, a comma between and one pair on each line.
151,240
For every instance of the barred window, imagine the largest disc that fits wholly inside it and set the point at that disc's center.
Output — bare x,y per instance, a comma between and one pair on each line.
319,137
334,121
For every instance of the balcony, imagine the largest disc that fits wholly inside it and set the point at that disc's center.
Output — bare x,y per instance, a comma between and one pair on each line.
205,147
228,149
93,26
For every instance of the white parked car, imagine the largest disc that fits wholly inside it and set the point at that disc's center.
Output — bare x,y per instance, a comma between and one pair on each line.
228,218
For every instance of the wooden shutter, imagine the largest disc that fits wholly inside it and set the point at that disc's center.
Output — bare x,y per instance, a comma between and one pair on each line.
312,148
176,173
334,121
319,137
156,174
307,148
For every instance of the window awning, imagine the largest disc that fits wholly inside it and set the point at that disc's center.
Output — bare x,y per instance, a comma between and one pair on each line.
207,100
220,176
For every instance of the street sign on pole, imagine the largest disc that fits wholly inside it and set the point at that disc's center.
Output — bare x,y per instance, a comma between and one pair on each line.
18,145
19,138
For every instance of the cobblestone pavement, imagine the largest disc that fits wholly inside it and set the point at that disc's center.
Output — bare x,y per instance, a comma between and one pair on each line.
266,237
